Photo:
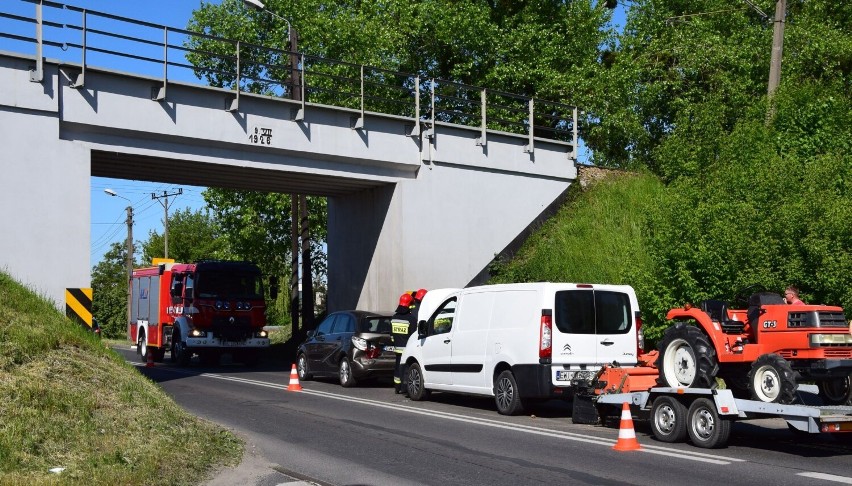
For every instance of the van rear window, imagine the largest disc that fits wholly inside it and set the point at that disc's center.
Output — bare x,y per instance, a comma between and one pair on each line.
592,312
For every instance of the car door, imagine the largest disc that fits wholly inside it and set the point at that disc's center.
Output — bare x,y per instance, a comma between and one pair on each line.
316,347
592,326
437,347
344,328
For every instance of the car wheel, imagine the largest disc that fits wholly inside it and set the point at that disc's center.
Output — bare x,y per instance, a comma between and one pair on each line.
506,394
772,379
302,367
687,359
416,385
347,379
668,419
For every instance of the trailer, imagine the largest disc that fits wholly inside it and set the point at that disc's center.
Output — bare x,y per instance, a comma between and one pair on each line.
706,415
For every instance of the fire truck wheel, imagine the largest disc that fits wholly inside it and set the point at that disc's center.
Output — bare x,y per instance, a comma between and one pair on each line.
302,367
837,391
772,380
347,379
180,354
687,359
142,345
159,354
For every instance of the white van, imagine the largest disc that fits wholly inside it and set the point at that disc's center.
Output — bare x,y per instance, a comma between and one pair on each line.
520,342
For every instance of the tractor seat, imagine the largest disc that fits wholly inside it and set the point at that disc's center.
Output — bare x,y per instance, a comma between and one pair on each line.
718,312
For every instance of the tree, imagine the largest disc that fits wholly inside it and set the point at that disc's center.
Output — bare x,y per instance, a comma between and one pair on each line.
109,291
193,235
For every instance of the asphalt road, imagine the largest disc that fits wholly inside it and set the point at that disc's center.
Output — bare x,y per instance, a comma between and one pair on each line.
367,435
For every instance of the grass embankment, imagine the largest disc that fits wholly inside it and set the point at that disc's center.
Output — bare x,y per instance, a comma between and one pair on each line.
598,236
66,401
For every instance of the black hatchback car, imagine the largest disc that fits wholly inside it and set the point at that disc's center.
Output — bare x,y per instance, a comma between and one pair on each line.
350,345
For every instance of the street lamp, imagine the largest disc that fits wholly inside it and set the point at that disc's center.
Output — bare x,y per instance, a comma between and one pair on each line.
260,6
129,261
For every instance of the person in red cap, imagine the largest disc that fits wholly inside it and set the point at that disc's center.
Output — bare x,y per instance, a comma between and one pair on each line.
403,324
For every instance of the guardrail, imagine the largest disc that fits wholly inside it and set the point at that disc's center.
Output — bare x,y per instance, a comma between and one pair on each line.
92,38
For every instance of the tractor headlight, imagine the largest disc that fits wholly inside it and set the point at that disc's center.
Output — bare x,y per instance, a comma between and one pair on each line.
844,339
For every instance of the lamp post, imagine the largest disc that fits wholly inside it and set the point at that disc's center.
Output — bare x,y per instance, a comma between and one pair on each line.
293,41
129,259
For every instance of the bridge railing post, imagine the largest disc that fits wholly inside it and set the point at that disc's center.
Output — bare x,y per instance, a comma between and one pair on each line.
81,78
415,132
531,124
235,103
161,92
37,74
483,128
359,123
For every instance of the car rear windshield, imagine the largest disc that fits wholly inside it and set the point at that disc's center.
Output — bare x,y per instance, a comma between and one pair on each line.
592,312
376,324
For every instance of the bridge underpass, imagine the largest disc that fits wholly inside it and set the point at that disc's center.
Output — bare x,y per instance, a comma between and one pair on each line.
413,202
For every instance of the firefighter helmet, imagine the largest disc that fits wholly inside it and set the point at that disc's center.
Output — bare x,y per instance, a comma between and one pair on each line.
405,299
420,294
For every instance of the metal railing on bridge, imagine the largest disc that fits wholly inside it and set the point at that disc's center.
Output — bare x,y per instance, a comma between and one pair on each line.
91,38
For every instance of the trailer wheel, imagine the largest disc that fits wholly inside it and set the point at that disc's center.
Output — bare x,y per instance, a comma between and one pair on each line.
415,383
836,391
668,419
506,394
347,379
687,359
180,354
707,429
772,380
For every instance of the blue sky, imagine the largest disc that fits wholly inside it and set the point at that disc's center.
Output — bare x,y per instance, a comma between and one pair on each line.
109,213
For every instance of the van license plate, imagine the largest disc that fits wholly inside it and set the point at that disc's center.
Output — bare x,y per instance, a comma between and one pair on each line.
389,349
562,375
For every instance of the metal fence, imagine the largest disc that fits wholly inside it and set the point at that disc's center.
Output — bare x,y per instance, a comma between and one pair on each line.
91,38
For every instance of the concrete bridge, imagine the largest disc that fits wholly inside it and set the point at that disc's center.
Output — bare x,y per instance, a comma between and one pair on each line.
418,199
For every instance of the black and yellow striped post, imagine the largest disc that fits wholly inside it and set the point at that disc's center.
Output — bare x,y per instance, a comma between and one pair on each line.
78,305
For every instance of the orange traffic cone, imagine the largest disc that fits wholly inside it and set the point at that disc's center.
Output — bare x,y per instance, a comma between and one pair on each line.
626,435
294,380
150,362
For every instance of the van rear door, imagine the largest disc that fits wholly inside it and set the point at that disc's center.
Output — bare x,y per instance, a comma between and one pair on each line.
592,326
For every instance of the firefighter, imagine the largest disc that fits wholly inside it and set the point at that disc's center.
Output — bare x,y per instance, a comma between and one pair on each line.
403,324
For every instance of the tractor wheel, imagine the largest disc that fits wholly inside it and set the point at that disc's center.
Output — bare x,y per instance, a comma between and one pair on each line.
836,391
687,359
772,380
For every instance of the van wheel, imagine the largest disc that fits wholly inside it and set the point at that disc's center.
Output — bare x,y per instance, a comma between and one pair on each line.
506,394
415,383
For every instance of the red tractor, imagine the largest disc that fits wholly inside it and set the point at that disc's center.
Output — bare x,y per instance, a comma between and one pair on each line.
761,351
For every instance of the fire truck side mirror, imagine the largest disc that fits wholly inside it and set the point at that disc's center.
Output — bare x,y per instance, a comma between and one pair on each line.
273,287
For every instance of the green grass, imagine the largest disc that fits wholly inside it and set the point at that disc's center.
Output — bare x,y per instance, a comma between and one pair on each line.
68,401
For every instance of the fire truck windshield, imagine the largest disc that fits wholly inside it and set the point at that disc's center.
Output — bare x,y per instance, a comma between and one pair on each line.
228,285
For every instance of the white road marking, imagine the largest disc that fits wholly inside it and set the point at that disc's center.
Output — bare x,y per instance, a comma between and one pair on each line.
827,477
651,449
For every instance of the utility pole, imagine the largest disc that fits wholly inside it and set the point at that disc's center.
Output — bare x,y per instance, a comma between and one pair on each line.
165,205
777,46
129,261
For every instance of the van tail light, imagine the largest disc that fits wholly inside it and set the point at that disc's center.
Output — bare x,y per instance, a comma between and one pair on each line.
640,335
545,343
373,352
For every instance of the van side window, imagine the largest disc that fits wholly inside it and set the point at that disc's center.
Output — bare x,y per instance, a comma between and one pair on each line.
592,312
441,321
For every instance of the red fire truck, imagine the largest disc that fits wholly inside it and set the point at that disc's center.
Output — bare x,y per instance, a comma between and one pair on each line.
206,308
